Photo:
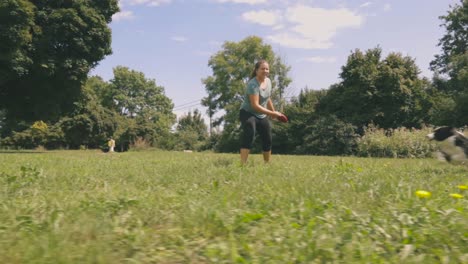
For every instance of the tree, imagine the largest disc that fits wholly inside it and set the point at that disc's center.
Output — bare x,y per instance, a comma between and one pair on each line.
301,113
232,67
282,81
401,97
191,131
90,124
328,135
132,95
102,112
193,122
17,20
46,52
385,92
140,99
451,66
455,41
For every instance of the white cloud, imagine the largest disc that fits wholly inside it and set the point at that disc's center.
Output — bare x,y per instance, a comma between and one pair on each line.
179,38
366,4
215,43
123,15
127,15
278,27
120,3
387,7
297,41
203,53
307,27
250,2
319,59
147,2
263,17
159,2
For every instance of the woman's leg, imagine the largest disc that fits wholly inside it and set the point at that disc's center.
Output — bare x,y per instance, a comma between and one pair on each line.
266,156
264,129
244,153
248,124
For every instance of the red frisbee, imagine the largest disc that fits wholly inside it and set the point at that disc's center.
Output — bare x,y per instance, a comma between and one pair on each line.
283,118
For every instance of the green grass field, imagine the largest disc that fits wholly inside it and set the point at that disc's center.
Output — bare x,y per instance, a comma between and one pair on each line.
168,207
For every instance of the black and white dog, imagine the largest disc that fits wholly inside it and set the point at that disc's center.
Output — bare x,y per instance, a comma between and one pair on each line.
455,144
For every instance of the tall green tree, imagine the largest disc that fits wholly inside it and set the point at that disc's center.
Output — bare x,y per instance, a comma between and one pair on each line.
191,131
451,66
135,97
328,135
47,49
386,92
90,124
455,41
193,122
16,33
301,113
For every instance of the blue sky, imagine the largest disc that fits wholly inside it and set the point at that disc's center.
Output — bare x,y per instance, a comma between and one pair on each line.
171,41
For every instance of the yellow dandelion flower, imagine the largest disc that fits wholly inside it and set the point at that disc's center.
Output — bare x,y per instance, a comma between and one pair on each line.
463,187
423,194
456,195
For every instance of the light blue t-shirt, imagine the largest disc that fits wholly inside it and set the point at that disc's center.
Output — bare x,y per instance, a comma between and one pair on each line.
253,87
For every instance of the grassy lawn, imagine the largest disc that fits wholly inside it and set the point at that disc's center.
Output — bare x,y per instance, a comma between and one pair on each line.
168,207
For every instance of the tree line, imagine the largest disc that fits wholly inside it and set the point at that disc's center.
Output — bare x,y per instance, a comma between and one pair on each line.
47,98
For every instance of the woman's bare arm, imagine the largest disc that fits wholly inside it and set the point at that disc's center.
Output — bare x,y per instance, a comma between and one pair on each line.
270,110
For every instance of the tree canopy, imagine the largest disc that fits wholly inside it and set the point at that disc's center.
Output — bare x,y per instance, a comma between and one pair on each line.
386,92
454,43
191,131
46,52
451,66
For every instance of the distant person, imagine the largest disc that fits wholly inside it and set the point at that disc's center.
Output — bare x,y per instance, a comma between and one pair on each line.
253,114
111,144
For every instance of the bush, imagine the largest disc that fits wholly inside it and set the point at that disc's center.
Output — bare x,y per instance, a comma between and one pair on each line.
228,141
38,134
328,135
396,143
140,144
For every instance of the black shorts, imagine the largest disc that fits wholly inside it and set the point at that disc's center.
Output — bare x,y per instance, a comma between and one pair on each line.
250,124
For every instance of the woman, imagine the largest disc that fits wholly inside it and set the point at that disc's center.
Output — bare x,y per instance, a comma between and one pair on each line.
256,107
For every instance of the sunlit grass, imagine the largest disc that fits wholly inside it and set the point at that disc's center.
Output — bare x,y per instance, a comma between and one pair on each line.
168,207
